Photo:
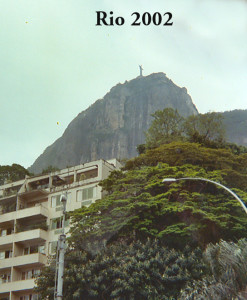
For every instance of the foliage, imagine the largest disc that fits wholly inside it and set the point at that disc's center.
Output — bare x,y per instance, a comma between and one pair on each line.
233,167
133,243
12,173
205,128
45,282
228,273
50,169
166,127
236,149
126,271
139,205
141,148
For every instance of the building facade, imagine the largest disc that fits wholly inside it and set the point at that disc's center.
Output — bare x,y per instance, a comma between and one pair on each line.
30,221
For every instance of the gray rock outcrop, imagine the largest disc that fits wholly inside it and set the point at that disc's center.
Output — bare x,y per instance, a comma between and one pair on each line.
115,125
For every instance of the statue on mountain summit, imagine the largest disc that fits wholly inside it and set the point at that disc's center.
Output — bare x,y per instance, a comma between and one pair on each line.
141,69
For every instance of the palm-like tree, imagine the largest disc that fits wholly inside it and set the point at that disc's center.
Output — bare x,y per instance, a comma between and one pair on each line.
227,274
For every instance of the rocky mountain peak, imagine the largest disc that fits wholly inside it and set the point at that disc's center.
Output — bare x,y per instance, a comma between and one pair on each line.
115,125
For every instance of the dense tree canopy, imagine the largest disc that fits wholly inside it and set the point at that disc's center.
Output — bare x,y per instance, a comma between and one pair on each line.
12,173
205,128
139,205
233,167
227,275
144,239
139,270
168,126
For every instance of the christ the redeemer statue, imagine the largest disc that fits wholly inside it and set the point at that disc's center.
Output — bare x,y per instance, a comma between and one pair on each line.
141,69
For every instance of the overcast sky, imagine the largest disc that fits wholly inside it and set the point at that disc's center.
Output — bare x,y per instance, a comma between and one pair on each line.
55,62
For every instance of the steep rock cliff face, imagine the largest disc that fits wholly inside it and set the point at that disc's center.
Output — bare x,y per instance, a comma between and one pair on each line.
115,125
235,122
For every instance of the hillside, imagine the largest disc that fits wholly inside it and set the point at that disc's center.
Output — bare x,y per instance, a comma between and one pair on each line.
115,125
236,126
144,239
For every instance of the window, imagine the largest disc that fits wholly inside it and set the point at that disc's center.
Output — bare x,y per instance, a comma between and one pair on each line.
41,249
34,249
6,254
30,274
57,223
5,232
36,272
85,194
87,174
28,297
52,247
30,250
66,224
4,278
55,200
26,251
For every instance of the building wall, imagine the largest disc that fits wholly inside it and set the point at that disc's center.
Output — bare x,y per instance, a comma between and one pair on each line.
30,214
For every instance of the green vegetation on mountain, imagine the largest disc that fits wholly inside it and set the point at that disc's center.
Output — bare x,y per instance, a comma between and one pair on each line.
168,126
205,128
145,238
233,167
139,205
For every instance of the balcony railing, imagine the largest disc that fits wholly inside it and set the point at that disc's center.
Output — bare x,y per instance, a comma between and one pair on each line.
29,260
5,208
34,213
39,235
17,286
8,194
22,228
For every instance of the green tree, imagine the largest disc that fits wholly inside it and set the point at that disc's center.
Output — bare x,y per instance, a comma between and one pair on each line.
139,270
166,127
45,282
205,128
121,246
139,205
227,276
12,173
141,148
233,167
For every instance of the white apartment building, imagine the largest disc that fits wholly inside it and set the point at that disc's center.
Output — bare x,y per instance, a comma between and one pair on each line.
30,211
